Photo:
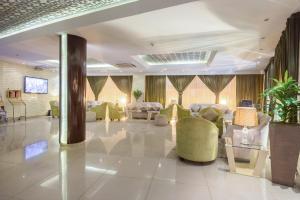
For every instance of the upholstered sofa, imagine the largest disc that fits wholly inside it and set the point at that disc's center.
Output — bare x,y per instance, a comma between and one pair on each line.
182,113
168,112
197,139
139,109
100,111
54,105
91,104
214,115
197,107
115,112
256,135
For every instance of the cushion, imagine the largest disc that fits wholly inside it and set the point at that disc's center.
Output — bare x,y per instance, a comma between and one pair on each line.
210,115
195,107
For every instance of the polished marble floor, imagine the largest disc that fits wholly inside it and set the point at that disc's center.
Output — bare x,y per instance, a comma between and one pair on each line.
132,160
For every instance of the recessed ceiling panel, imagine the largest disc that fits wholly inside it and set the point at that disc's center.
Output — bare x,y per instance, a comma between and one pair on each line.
21,15
184,58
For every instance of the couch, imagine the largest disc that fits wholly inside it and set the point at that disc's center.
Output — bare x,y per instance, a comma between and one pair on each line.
182,112
115,112
197,139
54,105
139,109
197,107
168,112
100,110
257,135
214,115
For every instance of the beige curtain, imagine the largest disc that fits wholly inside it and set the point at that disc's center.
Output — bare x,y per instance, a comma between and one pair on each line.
155,89
97,83
249,87
124,83
180,83
216,83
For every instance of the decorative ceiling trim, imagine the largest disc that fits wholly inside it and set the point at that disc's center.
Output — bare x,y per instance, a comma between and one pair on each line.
24,15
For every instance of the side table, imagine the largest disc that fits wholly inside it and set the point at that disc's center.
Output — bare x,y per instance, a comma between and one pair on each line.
257,161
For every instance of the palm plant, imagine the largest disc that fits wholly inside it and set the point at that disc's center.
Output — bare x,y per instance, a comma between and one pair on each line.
283,99
137,94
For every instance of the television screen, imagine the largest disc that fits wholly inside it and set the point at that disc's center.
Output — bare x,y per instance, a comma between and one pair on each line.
35,85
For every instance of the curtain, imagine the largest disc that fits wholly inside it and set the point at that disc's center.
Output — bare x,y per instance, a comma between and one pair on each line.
216,83
180,83
270,73
292,45
124,83
280,58
249,87
155,89
97,83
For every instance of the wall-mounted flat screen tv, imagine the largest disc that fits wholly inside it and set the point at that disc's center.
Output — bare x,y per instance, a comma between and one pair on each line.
35,85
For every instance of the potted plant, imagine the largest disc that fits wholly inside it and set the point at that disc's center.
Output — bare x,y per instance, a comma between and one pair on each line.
137,94
284,129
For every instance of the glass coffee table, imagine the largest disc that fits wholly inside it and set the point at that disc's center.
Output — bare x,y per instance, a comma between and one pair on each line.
257,159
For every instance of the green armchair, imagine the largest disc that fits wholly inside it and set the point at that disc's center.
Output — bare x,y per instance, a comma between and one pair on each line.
182,113
168,112
115,112
54,108
197,139
218,120
100,111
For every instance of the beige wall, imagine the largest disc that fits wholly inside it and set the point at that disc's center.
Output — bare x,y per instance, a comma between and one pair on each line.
12,77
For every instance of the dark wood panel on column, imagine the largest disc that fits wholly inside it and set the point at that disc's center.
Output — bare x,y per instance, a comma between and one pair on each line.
75,72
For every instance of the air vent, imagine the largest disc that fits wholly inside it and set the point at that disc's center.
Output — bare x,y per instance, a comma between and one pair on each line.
125,65
201,57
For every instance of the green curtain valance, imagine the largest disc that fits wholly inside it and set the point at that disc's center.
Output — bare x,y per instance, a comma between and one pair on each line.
97,83
216,83
180,83
249,87
155,89
124,83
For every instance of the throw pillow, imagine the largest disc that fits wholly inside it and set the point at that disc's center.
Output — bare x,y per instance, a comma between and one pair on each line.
210,115
195,107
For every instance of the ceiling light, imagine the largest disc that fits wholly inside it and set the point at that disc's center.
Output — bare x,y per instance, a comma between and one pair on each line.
267,19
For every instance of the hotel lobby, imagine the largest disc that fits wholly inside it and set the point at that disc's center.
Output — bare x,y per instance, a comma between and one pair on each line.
149,100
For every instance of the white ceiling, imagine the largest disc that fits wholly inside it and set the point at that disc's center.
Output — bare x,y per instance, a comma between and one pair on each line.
235,29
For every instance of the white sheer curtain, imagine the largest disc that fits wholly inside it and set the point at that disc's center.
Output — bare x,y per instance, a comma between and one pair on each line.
228,95
109,93
171,93
197,92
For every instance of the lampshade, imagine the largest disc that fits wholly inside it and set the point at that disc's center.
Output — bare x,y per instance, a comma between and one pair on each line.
246,116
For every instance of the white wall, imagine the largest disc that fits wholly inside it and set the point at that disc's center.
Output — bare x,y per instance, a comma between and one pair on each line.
12,77
138,82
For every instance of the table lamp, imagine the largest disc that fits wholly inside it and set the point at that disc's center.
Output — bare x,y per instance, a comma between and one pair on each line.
247,117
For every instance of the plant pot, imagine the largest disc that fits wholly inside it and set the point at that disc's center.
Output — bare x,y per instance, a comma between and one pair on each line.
285,147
